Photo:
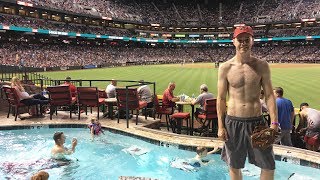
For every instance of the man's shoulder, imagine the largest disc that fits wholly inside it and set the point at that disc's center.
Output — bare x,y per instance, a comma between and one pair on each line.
284,100
110,86
259,62
226,65
57,149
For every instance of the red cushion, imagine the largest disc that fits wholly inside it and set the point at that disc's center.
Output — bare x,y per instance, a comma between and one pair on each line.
181,115
142,104
202,116
312,140
101,100
73,99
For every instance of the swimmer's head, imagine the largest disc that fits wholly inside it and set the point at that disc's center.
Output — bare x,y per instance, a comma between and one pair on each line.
202,151
59,137
41,175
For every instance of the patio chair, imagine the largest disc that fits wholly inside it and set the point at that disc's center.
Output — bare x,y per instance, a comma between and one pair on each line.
128,99
89,97
60,96
14,101
208,117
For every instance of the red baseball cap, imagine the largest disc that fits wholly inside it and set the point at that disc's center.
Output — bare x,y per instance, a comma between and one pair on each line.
242,29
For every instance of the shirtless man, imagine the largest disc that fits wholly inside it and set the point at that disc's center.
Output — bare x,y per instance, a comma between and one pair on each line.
242,78
58,151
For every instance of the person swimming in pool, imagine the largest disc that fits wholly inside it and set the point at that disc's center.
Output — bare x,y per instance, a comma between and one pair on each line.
95,127
195,163
202,152
58,151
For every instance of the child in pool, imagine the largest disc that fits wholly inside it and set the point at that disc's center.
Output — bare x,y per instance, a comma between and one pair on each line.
199,159
95,127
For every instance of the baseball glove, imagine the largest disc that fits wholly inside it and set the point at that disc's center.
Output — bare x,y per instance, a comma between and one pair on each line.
263,137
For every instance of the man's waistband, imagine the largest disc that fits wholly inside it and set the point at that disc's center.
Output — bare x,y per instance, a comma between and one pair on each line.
245,119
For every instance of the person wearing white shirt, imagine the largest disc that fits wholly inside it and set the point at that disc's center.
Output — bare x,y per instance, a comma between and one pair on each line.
111,89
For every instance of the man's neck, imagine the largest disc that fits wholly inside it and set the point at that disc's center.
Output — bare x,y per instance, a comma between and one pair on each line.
243,58
60,145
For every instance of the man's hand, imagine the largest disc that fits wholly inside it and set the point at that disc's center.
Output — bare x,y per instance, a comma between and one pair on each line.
222,134
302,131
74,142
275,127
175,99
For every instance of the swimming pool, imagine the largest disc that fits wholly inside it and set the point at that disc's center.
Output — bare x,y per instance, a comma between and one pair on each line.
24,150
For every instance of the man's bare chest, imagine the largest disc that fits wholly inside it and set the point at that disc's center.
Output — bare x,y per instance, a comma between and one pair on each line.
243,75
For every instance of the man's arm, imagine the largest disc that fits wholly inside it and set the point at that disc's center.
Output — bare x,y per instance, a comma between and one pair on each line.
301,121
292,117
215,149
92,133
221,100
73,147
196,101
269,96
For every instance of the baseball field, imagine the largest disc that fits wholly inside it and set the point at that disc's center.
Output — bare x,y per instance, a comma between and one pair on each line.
301,82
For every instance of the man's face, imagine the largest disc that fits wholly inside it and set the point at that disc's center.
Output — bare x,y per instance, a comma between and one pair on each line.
172,87
243,43
275,93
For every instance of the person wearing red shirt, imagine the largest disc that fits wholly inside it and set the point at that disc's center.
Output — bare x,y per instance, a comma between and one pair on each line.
168,99
72,87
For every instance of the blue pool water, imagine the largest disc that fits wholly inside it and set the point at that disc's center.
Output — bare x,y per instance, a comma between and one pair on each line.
23,152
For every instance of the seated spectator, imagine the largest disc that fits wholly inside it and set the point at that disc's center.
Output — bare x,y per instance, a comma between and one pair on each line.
145,94
312,131
72,87
168,99
201,99
111,89
24,97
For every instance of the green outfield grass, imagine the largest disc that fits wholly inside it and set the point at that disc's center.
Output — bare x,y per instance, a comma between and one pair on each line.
301,83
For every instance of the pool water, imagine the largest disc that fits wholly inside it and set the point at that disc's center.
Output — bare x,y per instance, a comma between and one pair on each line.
23,151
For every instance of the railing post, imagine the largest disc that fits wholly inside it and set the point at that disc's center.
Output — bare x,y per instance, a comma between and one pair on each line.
41,84
127,110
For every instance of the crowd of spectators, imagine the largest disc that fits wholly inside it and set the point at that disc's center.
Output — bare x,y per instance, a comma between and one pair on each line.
182,12
82,28
61,55
60,26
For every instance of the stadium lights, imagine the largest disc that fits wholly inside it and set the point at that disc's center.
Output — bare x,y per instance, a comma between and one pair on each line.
106,18
155,25
308,20
262,25
24,3
238,25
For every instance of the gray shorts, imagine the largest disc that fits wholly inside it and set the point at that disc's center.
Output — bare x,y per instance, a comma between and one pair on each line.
237,147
